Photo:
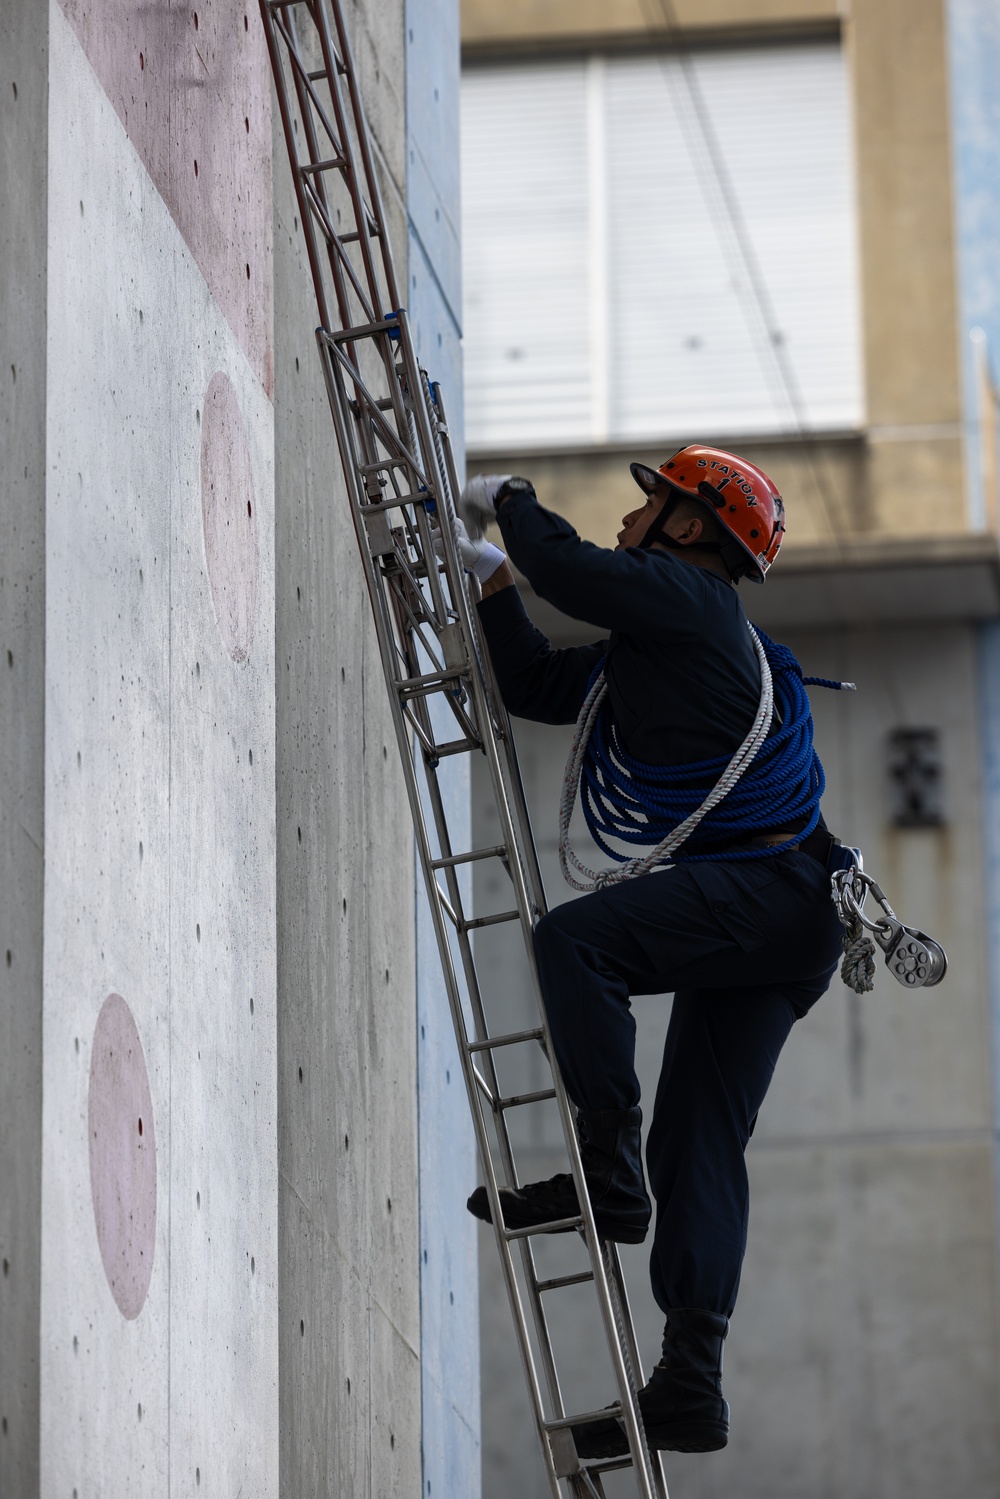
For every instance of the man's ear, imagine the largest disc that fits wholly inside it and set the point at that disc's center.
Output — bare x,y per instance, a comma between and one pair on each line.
691,530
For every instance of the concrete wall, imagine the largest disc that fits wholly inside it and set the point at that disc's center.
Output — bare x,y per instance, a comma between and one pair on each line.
219,1287
864,1355
23,173
160,1248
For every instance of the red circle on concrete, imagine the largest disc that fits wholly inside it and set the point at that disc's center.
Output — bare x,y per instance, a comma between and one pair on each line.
122,1155
229,516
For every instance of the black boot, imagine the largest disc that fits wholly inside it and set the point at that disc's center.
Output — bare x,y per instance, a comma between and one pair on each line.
610,1144
682,1406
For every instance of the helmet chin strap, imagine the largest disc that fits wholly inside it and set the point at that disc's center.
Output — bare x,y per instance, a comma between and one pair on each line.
657,536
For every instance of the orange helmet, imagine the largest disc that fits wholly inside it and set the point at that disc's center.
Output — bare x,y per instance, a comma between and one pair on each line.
737,493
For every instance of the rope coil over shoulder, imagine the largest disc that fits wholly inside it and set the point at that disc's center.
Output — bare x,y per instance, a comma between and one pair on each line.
772,779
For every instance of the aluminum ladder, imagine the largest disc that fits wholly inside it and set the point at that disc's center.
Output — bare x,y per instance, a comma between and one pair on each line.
402,487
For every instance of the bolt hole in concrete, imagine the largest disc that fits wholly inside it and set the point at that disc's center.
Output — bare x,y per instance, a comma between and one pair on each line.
197,931
197,1199
6,1268
250,756
10,658
388,1204
196,169
300,1074
392,1440
197,1476
139,1408
232,548
140,853
246,122
253,1265
10,957
122,1157
251,1004
142,62
196,20
302,1329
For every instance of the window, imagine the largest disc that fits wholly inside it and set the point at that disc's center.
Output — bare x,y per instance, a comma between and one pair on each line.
608,292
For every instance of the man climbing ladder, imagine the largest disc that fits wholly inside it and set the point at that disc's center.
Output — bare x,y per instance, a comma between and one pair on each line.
734,916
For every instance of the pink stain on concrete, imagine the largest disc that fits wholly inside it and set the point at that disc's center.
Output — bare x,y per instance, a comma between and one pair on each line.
122,1156
229,517
191,84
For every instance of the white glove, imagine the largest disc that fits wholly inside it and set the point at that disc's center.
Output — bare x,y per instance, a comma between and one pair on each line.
481,558
475,504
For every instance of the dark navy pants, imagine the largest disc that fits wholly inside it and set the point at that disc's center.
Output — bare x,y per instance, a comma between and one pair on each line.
746,948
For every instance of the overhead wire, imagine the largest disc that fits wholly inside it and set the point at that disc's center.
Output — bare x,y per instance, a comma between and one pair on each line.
758,308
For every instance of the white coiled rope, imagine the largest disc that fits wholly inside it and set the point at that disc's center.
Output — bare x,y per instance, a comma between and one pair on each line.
597,879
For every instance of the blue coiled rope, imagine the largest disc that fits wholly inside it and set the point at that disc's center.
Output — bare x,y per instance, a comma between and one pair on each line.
638,803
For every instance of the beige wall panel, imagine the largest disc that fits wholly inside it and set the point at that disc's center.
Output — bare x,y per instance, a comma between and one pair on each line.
899,58
917,487
485,21
826,490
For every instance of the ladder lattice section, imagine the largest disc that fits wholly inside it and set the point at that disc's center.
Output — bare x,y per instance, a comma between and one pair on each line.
402,487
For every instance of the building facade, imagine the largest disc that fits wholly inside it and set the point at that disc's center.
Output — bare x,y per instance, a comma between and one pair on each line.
773,225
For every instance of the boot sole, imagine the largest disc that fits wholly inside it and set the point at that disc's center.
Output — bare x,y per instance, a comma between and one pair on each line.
618,1233
687,1436
676,1437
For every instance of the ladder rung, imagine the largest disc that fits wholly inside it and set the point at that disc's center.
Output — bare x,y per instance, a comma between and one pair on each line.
561,1422
517,1100
470,926
361,330
509,1040
432,681
325,166
479,853
558,1281
556,1226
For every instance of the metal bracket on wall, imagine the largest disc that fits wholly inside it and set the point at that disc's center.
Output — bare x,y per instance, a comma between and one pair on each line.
402,487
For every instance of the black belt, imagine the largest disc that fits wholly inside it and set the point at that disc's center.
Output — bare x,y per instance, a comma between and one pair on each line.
819,845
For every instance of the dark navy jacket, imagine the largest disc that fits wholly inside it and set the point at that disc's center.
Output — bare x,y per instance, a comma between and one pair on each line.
683,677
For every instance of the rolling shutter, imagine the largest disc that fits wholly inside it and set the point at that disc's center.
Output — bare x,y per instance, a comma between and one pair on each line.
607,296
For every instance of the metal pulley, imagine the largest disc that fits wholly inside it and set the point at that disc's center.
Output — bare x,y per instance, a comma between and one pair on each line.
915,960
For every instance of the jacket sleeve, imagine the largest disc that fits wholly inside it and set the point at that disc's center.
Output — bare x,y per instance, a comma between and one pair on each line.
536,681
629,591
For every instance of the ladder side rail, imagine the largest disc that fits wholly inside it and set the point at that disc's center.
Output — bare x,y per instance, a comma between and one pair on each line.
530,1275
367,156
311,196
611,1268
358,118
287,122
624,1373
383,630
623,1376
501,718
